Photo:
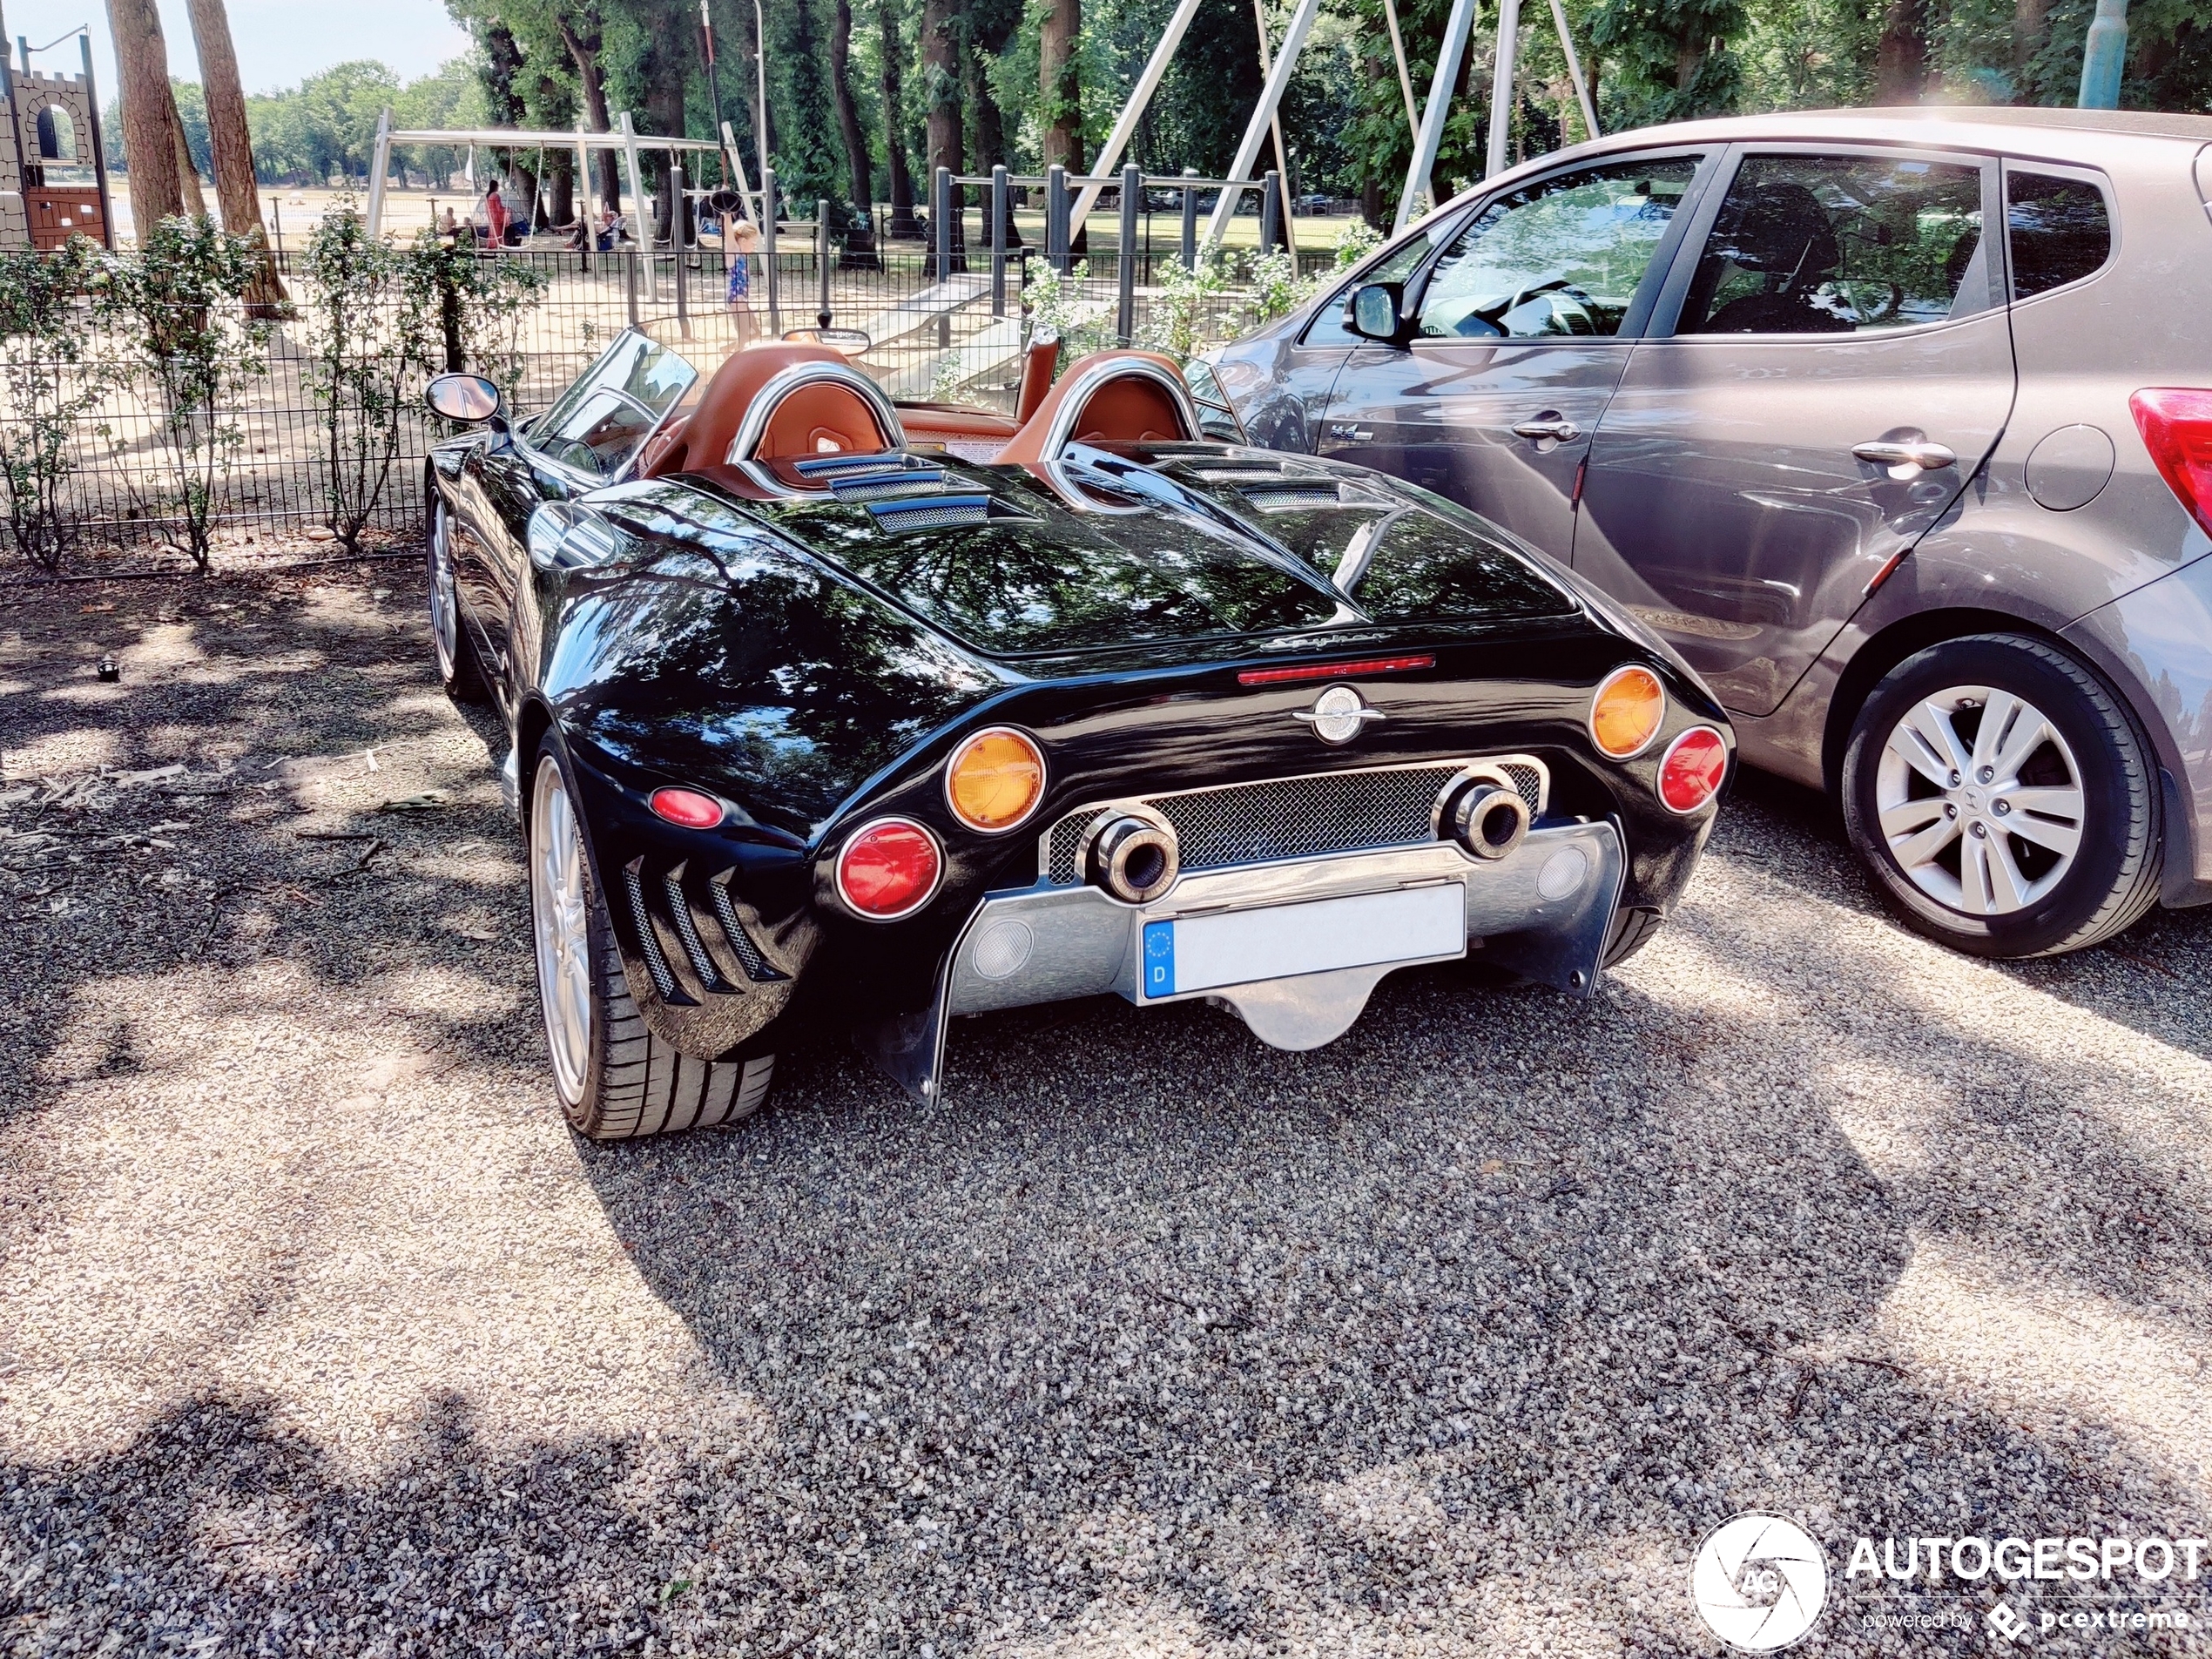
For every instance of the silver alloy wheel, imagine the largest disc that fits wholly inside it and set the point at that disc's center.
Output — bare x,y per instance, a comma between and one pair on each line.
559,914
1980,800
445,607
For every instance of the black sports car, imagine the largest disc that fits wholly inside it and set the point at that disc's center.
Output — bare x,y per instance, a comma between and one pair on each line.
828,708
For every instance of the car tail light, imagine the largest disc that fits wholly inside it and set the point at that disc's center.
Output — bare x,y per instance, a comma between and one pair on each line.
1627,710
2176,425
888,869
689,807
1335,671
994,779
1690,774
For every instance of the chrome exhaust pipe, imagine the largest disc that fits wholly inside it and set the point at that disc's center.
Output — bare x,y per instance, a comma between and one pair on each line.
1132,855
1487,819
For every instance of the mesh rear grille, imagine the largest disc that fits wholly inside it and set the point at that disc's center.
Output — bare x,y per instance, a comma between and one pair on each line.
958,510
887,486
1295,817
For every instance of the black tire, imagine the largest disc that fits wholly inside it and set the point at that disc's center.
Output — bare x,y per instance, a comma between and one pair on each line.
1630,932
453,660
2114,877
630,1083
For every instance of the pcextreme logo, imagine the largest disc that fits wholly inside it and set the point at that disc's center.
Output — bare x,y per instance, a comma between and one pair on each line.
1760,1583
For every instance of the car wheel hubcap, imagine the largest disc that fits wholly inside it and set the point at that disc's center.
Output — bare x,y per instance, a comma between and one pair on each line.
1979,800
445,615
560,914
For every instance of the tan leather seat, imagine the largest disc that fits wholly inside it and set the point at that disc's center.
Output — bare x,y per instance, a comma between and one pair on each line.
815,417
1093,404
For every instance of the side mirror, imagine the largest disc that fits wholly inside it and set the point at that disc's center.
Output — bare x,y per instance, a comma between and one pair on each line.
1373,314
463,397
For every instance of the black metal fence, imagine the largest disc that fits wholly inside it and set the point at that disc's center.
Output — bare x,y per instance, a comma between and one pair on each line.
957,334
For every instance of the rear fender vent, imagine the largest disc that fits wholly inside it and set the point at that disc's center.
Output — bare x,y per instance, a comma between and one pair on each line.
647,940
756,966
680,912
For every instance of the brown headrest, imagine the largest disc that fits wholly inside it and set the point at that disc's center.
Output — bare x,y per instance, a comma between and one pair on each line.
706,434
1116,408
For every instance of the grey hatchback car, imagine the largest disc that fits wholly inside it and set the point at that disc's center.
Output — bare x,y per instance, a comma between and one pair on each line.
1926,506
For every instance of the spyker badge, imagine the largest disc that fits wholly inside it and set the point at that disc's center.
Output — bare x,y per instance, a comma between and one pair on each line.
1337,715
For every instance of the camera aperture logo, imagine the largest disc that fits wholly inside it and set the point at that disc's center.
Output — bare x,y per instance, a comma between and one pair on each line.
1760,1583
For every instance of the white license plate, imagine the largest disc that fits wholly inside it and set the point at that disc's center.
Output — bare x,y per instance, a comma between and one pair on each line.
1243,947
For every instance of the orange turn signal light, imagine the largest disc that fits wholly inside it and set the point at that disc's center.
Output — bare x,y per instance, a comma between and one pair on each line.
1626,711
994,779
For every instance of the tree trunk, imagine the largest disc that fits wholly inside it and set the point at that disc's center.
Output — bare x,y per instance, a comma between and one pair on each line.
940,82
1060,86
1901,60
560,189
188,174
150,124
894,125
2027,38
233,145
584,47
663,72
848,113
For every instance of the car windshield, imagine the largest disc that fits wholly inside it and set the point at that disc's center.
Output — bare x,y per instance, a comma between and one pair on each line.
602,420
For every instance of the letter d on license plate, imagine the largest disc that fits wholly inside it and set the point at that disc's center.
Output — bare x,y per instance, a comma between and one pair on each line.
1245,946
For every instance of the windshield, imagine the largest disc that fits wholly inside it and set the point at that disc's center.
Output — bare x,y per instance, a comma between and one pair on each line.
601,421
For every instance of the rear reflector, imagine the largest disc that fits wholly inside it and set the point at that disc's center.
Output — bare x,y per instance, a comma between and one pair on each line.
688,807
1334,671
2176,425
1690,774
889,869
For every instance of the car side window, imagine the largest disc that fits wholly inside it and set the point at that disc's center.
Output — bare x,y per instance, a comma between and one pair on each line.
1398,265
1562,256
1840,245
2059,230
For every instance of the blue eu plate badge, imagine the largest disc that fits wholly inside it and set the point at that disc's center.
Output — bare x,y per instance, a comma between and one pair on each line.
1159,958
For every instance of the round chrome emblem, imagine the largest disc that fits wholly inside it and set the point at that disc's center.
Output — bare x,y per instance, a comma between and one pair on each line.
1337,715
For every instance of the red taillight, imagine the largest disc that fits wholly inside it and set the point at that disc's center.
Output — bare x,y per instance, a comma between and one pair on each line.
1691,772
888,869
2176,425
687,807
1334,671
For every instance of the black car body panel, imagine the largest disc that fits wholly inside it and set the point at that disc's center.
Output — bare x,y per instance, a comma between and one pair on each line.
813,662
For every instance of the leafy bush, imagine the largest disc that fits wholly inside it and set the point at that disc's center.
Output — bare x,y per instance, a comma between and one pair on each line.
481,302
179,301
47,384
1188,301
369,321
1057,303
378,319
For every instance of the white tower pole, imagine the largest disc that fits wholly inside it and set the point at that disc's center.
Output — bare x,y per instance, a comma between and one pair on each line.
1270,99
1133,111
1439,104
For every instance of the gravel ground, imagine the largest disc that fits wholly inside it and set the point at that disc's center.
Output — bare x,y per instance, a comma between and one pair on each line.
319,1334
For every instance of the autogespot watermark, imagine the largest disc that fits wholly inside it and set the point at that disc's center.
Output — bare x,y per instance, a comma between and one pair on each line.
1760,1582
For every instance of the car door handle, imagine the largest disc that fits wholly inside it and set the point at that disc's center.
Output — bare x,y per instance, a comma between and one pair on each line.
1548,426
1346,429
1916,453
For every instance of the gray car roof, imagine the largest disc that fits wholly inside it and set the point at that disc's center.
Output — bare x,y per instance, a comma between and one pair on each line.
2146,124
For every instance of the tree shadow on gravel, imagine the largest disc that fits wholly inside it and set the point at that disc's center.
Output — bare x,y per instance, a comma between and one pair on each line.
1462,1331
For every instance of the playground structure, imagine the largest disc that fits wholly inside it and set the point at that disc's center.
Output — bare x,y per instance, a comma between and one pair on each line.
53,169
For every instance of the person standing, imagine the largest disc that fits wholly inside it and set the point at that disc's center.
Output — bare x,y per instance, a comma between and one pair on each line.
496,214
739,237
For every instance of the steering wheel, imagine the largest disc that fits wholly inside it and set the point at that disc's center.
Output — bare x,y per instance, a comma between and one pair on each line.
1498,313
